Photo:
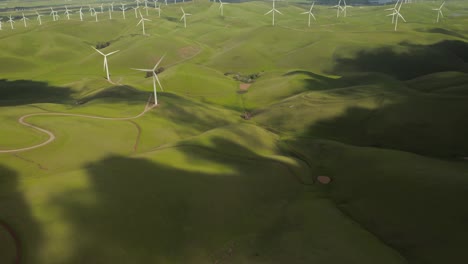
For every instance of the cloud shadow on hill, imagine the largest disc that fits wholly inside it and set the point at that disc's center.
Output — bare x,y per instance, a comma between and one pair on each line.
147,210
448,55
16,217
22,92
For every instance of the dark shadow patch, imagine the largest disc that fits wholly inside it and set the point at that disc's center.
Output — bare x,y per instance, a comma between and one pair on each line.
419,60
445,32
22,92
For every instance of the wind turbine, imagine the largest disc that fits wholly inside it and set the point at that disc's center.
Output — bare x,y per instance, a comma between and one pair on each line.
24,20
102,8
52,13
56,15
343,9
81,14
397,14
11,21
39,18
221,4
1,23
273,10
184,17
123,10
165,2
112,6
339,9
439,11
142,22
67,13
138,3
310,12
159,10
155,78
155,4
146,8
136,9
106,67
96,15
92,10
110,13
394,11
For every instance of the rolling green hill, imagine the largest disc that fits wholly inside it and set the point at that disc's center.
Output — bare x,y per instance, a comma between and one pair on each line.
225,169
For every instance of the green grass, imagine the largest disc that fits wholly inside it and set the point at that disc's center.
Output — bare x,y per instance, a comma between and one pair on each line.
382,113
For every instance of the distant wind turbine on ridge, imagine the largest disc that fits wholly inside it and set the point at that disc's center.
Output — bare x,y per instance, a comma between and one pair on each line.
81,13
339,9
310,12
221,4
184,17
396,13
24,20
11,21
155,78
142,22
106,66
123,10
273,10
439,11
39,18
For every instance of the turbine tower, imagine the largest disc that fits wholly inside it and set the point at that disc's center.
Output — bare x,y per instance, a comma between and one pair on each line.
343,9
52,13
221,4
81,13
106,67
273,10
310,12
1,23
142,22
155,78
136,11
184,17
439,11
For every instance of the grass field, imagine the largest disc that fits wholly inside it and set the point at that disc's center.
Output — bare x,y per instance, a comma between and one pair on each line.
383,113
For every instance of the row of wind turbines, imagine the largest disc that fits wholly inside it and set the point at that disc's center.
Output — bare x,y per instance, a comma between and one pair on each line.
341,10
153,72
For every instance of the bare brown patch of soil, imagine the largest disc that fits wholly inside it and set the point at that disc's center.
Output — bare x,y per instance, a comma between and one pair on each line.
324,179
187,52
244,86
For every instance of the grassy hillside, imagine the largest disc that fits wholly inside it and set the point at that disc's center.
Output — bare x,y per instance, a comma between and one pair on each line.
382,113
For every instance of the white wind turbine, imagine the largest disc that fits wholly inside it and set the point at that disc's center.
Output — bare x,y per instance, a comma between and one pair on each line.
273,10
159,10
56,16
110,13
112,6
138,3
52,13
339,9
165,2
92,10
146,8
106,66
142,22
439,11
136,11
393,9
39,18
155,4
184,17
102,8
397,14
343,9
67,13
24,20
221,4
81,13
123,10
96,15
1,23
11,21
310,12
155,78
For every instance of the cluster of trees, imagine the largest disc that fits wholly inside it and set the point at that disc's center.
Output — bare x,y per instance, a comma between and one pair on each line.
248,78
157,71
101,45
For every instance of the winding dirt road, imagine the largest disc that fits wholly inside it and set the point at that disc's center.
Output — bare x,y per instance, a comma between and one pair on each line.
51,135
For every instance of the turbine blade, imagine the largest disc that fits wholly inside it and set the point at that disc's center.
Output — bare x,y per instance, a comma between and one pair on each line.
268,12
98,51
144,70
157,79
112,52
157,64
